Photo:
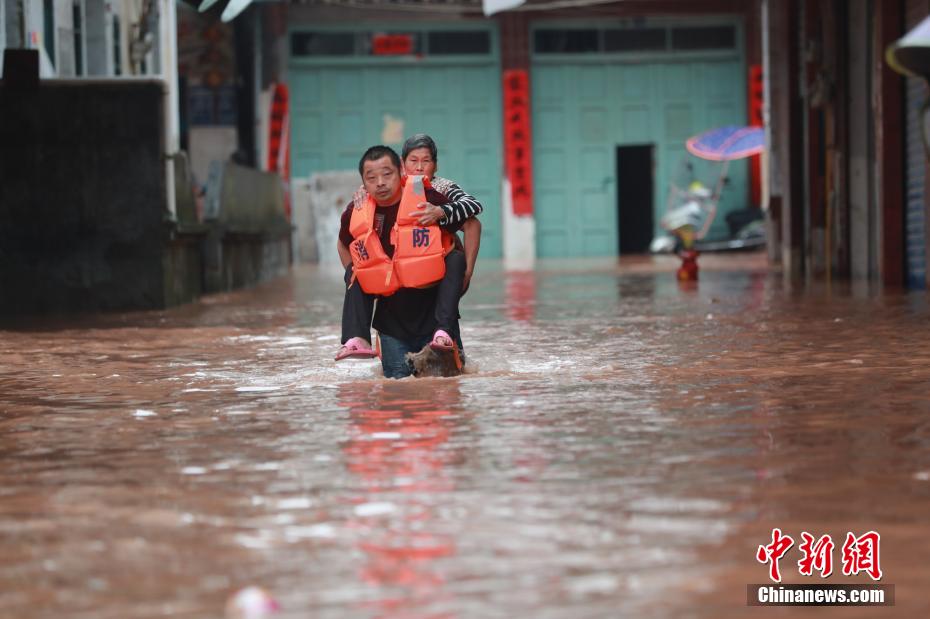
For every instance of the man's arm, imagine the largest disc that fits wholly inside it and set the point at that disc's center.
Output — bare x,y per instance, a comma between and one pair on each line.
472,231
344,255
344,238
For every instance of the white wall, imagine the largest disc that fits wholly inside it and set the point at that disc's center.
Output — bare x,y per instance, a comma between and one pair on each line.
519,233
208,144
64,60
317,204
98,28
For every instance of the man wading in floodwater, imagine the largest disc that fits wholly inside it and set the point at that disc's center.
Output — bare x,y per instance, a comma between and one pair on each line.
408,318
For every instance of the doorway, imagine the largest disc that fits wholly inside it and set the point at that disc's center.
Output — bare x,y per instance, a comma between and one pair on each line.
635,197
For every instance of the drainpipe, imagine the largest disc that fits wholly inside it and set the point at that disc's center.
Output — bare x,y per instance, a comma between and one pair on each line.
768,156
168,62
257,88
2,30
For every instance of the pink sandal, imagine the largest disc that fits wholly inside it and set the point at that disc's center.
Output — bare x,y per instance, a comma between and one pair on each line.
356,348
439,346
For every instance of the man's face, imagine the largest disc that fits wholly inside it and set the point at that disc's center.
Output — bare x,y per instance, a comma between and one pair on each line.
420,163
382,181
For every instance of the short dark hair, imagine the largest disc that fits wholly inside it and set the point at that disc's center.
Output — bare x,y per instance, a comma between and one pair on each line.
377,152
420,140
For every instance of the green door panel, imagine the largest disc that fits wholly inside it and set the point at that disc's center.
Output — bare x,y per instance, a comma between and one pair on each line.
338,112
582,111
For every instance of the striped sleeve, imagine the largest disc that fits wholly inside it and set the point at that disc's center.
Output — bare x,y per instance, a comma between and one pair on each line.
461,206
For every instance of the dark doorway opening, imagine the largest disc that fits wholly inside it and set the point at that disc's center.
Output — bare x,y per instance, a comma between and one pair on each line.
634,197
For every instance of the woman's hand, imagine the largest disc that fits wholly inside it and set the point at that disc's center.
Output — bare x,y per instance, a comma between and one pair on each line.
429,214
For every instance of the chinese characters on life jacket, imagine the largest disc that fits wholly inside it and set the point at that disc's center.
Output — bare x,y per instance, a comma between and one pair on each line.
359,246
421,237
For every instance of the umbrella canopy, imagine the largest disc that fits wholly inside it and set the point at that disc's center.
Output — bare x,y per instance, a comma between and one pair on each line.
726,143
230,12
911,53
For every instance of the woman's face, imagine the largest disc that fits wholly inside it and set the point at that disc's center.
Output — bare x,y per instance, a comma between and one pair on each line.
419,163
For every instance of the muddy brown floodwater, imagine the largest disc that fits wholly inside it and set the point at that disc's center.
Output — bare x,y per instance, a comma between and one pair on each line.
621,448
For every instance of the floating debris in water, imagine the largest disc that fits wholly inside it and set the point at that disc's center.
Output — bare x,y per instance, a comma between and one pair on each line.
374,509
428,362
251,603
295,503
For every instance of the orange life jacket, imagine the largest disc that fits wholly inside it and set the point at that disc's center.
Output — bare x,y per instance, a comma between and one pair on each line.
419,251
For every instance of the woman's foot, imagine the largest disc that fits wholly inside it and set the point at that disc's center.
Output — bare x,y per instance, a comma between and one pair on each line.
442,342
356,348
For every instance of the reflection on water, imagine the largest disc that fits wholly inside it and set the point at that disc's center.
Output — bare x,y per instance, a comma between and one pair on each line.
624,446
521,295
398,449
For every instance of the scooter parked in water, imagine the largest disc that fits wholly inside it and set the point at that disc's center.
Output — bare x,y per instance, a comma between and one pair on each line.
692,206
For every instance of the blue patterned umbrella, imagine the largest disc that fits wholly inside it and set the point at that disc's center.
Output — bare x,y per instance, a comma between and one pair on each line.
726,143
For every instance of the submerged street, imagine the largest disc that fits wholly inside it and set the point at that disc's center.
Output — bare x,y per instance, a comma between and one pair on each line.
620,447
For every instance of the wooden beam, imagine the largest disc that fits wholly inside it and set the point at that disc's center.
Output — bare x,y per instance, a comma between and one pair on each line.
889,142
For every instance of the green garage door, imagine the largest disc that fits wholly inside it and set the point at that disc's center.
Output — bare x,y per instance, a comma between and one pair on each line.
343,106
587,102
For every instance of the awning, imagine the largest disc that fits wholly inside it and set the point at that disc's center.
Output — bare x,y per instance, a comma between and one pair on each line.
910,54
230,12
